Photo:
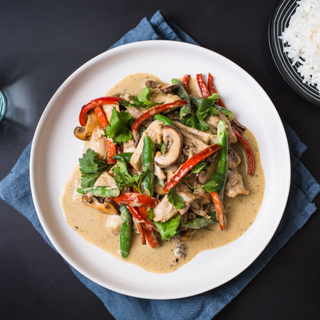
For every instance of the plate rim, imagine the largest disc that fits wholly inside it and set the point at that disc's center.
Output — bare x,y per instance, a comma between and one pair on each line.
33,178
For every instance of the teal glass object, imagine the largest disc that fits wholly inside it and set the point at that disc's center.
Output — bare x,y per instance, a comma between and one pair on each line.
3,106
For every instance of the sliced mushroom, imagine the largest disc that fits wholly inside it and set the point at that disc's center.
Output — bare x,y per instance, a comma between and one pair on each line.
108,206
169,88
151,84
174,141
204,176
85,132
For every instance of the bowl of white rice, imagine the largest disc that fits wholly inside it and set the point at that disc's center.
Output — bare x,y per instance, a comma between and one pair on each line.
294,39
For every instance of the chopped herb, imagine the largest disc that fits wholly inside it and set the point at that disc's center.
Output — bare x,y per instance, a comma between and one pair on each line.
123,178
206,108
198,167
141,101
175,199
118,127
215,183
91,168
168,229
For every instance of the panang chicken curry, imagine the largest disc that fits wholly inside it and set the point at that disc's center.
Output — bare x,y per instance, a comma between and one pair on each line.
166,172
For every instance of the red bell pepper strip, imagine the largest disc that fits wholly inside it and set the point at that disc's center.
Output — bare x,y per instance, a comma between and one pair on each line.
247,148
136,200
219,209
186,82
213,90
188,165
95,103
152,112
136,213
101,116
202,86
138,223
151,238
112,149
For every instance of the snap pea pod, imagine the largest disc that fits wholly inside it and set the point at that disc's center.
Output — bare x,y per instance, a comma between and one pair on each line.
182,93
222,140
217,197
229,114
201,222
148,165
164,119
101,191
126,155
125,231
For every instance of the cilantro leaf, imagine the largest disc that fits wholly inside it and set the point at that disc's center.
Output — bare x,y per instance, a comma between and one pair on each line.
144,94
190,120
175,199
168,229
215,183
206,107
202,126
135,102
215,97
199,167
91,168
123,178
118,126
141,101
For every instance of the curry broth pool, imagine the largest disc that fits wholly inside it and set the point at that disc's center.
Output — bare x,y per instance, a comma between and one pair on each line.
240,211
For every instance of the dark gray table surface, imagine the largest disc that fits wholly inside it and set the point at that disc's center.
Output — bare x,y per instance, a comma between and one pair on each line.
41,44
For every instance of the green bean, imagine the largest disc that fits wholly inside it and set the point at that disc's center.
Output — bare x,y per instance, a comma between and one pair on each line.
222,140
164,119
150,213
127,156
125,231
195,101
201,222
148,166
101,191
182,93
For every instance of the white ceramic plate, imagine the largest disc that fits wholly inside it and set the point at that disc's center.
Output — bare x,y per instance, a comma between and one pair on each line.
55,153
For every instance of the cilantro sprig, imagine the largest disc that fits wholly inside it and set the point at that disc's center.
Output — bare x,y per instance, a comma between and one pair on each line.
91,168
141,101
168,229
206,108
118,127
123,178
175,199
213,185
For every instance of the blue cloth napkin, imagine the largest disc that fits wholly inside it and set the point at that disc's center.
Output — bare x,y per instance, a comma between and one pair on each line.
15,189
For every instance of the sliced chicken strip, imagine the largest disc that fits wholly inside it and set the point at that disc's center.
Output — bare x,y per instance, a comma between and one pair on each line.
203,136
234,185
97,143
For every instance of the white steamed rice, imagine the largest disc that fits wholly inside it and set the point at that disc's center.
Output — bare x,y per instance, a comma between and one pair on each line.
303,39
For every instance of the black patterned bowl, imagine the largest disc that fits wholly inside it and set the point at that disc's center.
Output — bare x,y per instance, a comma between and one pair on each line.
278,22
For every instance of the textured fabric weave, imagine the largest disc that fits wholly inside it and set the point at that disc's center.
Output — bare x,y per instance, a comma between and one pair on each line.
15,190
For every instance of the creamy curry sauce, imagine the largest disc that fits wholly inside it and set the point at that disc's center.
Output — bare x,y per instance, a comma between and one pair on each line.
240,211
